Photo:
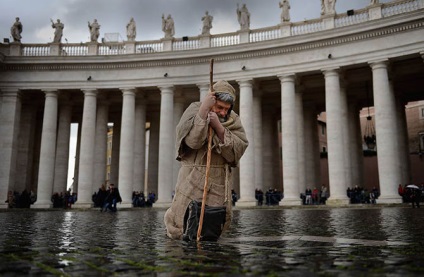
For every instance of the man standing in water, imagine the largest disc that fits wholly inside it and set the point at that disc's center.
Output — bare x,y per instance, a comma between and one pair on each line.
229,143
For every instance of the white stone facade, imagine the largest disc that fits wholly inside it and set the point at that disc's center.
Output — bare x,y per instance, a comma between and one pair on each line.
292,75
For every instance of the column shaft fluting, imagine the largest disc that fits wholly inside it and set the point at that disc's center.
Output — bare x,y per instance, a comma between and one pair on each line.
166,147
386,132
62,149
47,152
152,170
258,134
300,123
126,149
86,153
10,116
289,141
335,139
139,145
100,150
247,161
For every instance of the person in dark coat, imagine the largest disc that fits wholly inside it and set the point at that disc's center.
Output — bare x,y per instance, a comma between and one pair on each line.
111,199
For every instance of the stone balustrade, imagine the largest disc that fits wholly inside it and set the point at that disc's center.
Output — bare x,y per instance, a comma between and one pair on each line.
190,43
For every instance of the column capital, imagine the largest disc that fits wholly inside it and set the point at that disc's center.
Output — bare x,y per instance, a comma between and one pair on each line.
51,93
384,63
127,89
245,82
289,77
422,54
166,89
10,92
205,86
89,92
330,71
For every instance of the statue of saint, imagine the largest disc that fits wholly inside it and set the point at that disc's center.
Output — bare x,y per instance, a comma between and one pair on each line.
168,26
16,30
207,24
58,32
328,7
285,13
94,30
243,17
374,2
131,30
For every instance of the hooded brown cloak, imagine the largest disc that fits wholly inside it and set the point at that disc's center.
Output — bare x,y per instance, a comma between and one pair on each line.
191,145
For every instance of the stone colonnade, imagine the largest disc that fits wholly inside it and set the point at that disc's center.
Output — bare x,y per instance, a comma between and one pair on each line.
300,158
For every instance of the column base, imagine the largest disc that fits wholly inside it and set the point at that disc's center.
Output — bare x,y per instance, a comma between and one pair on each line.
392,199
246,203
290,202
42,205
124,205
82,205
162,204
4,206
337,202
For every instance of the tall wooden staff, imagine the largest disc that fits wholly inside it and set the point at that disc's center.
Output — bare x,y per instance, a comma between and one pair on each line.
208,163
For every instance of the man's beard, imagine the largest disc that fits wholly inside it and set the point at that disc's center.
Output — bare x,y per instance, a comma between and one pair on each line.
222,119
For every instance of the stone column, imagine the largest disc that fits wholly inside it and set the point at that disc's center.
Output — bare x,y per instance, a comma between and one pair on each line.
204,89
247,162
355,146
258,134
166,148
77,159
345,132
62,148
335,138
268,126
126,149
289,141
10,113
386,132
47,152
86,153
300,123
152,170
26,153
139,143
403,141
116,142
178,112
311,153
100,150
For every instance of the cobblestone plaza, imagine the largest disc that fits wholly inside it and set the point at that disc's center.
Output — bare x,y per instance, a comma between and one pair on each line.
360,241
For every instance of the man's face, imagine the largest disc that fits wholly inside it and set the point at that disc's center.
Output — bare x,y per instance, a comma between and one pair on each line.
221,109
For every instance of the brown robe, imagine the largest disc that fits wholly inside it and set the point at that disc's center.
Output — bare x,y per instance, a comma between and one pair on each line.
192,147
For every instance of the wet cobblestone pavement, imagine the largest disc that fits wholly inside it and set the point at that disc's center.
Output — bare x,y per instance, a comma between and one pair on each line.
377,241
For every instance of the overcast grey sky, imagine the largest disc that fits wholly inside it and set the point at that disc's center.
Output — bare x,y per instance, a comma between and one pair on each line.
113,16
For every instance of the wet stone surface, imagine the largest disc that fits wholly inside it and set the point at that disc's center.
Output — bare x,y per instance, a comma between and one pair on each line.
379,241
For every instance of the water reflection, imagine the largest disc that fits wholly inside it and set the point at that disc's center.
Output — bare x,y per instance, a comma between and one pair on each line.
260,242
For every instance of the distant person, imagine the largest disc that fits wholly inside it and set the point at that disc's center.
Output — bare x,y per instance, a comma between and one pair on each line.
16,30
131,30
112,198
94,30
58,32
